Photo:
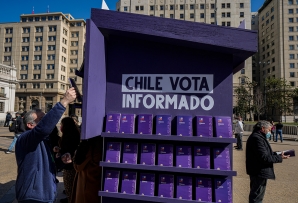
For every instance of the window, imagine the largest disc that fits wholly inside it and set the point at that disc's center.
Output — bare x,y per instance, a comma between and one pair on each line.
292,84
64,41
25,58
228,5
8,30
65,31
292,56
24,67
272,60
137,8
243,71
267,14
49,85
223,15
290,2
241,14
24,76
7,58
50,67
64,50
37,19
79,24
73,61
37,57
74,43
63,59
152,8
24,20
202,6
223,5
192,15
75,34
191,6
228,14
38,48
223,23
8,39
141,8
241,5
43,18
252,22
161,15
228,24
242,81
7,49
292,74
51,47
181,16
201,15
268,70
291,47
50,17
291,38
74,52
38,29
72,70
37,66
292,65
52,38
161,7
272,9
23,86
52,28
51,56
181,7
25,39
212,15
62,77
56,17
291,11
125,8
36,76
36,85
291,20
62,87
63,68
272,18
273,68
38,39
171,15
26,29
272,51
50,76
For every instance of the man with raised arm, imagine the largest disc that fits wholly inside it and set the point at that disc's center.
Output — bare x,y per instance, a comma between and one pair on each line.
36,179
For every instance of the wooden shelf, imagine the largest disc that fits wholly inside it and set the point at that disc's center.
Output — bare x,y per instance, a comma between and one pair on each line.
170,138
169,169
143,198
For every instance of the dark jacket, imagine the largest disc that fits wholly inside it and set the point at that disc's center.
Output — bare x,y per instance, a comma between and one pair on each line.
260,157
279,126
20,126
8,117
36,179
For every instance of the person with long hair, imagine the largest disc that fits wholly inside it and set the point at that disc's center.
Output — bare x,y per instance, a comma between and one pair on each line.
68,144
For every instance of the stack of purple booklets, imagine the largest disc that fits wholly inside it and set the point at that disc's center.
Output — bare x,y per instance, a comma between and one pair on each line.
163,124
165,155
130,153
166,186
113,123
113,152
204,127
223,126
147,184
129,182
202,157
223,190
221,159
145,124
203,189
148,154
184,187
111,181
127,123
184,125
183,156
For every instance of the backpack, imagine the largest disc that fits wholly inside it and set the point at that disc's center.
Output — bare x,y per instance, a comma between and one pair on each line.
13,126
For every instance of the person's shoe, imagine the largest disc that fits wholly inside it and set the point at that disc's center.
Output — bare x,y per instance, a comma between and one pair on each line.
8,152
240,149
65,200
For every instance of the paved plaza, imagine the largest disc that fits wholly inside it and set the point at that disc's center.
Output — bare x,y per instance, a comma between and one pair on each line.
281,190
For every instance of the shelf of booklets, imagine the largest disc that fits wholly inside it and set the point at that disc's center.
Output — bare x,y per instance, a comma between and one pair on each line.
144,198
170,138
168,169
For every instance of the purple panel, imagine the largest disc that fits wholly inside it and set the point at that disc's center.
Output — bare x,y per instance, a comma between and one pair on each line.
202,157
184,125
127,123
148,154
111,182
222,158
223,126
130,153
147,184
166,185
223,190
145,122
113,152
184,187
163,124
129,182
183,156
204,127
113,122
165,155
203,189
94,92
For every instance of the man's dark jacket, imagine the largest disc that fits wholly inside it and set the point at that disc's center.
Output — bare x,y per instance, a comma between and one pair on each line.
20,127
260,157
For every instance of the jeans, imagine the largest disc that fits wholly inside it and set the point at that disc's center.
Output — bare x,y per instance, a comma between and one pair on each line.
6,123
13,143
257,189
239,140
280,134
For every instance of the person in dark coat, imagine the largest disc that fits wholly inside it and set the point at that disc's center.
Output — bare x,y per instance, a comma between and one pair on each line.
7,119
259,160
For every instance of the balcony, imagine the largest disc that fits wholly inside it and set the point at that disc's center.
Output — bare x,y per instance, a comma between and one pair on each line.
2,94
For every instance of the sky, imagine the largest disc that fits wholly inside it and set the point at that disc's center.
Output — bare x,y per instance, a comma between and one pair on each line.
12,9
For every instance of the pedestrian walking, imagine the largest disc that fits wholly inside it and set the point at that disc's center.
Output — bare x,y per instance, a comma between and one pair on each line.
239,133
259,161
7,119
278,128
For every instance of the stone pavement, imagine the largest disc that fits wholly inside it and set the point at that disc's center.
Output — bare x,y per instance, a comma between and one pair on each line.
281,190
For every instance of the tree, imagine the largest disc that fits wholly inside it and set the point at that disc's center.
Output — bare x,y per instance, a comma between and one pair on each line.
258,102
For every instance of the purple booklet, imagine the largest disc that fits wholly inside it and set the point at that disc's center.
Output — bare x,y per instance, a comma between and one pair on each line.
165,155
129,182
113,152
166,185
290,152
111,181
183,156
204,127
145,124
163,124
223,190
221,158
203,189
130,153
223,126
148,154
184,187
202,157
184,125
127,123
113,123
147,184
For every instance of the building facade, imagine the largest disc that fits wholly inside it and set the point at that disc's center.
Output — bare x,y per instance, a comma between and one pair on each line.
224,13
46,49
8,81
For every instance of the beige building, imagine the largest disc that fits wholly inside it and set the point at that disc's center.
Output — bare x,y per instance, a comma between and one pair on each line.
224,13
46,49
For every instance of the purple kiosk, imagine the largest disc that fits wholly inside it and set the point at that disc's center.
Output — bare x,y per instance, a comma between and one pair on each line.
155,67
